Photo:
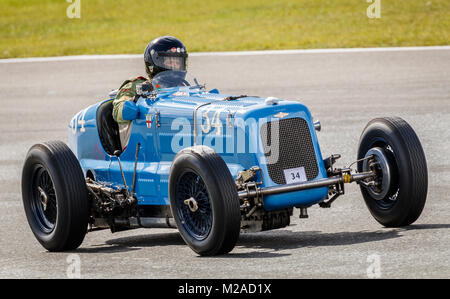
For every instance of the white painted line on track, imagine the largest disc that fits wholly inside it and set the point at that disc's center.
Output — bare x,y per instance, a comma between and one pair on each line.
313,51
231,53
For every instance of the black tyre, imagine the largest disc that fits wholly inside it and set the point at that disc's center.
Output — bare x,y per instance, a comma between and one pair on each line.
55,196
204,201
400,190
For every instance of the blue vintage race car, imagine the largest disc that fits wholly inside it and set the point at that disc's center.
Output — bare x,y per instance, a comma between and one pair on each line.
211,165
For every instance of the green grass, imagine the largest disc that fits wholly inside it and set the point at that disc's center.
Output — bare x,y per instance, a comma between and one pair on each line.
31,28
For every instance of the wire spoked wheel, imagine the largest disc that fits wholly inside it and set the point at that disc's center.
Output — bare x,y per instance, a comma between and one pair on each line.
204,201
390,147
43,202
383,162
193,205
55,196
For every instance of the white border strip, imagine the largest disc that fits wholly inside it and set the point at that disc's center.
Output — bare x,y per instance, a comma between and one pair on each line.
69,58
318,51
231,53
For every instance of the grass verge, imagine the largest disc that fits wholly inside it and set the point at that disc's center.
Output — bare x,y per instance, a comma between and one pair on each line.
30,28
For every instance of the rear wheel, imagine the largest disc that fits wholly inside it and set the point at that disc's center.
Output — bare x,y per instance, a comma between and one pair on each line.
55,196
393,150
204,201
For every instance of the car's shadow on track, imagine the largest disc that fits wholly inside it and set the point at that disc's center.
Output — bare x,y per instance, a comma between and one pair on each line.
131,243
426,226
264,244
276,241
277,244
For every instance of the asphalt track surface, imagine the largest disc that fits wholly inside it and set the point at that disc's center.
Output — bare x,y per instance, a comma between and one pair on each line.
343,90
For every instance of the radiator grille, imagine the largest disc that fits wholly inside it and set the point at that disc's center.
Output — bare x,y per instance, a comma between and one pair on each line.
295,148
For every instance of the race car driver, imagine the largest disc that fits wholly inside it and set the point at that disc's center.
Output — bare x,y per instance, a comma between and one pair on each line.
161,54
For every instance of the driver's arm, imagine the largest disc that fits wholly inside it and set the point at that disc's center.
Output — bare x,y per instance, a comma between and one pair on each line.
127,92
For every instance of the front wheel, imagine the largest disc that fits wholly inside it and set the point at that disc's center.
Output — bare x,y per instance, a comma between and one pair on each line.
204,201
391,148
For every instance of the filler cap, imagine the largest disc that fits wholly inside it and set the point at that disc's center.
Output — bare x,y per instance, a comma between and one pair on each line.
271,101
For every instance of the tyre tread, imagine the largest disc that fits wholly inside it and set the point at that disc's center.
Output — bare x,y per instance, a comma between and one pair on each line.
231,206
405,134
66,168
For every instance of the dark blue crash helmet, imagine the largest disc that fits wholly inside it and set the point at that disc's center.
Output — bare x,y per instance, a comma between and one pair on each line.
165,53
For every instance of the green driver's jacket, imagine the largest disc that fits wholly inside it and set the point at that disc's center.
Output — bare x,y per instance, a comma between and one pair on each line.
127,92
